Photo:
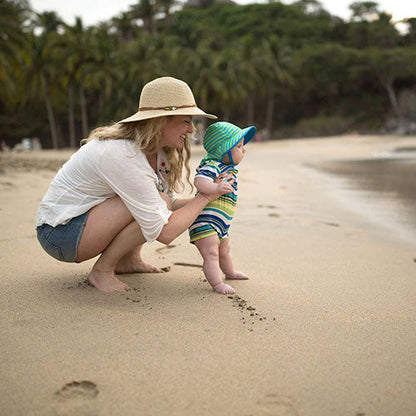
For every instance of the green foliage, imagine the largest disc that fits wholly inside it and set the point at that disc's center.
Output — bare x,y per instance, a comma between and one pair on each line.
288,68
323,125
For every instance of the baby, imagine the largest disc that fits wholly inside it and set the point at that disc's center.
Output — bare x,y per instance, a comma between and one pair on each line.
224,144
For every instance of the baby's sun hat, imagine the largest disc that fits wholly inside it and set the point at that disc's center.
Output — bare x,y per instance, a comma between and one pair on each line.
221,137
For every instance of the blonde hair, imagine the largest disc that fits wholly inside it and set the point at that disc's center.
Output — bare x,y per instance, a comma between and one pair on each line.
147,135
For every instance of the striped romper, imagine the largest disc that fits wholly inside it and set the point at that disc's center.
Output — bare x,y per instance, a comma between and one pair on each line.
216,217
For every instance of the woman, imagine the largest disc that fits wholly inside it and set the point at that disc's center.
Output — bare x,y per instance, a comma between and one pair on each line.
117,191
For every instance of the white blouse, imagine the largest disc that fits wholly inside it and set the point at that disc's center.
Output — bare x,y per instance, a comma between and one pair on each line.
102,169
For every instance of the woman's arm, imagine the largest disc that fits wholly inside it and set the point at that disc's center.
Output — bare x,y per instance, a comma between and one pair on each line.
186,214
183,217
179,203
206,186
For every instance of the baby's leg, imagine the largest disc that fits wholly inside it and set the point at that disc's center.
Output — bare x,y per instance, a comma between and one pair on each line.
226,262
209,249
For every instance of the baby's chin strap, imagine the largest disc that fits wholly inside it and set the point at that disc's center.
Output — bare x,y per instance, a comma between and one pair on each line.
230,157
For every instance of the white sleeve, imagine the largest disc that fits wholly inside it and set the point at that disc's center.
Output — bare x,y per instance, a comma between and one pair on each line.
128,173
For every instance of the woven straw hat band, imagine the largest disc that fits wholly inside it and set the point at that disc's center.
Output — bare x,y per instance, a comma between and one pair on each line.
169,108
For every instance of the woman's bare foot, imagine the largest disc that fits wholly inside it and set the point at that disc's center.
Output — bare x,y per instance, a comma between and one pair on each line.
106,282
236,276
223,289
129,265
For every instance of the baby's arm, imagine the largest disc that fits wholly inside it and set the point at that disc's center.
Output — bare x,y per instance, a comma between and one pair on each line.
208,187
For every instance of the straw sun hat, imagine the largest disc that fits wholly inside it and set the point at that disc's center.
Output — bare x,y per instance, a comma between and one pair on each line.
166,96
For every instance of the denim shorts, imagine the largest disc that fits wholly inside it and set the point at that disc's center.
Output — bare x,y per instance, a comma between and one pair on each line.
61,242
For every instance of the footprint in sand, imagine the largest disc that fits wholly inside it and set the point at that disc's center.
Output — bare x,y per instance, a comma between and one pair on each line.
78,389
165,248
273,404
198,266
76,399
267,206
331,224
273,214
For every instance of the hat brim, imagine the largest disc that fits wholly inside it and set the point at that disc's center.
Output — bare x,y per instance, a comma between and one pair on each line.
247,134
147,114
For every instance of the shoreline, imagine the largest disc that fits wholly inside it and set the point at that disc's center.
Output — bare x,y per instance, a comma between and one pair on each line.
382,190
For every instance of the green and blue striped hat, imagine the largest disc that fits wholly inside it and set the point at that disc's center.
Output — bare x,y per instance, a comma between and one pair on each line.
221,137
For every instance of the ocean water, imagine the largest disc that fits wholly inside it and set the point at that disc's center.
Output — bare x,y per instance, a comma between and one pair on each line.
382,187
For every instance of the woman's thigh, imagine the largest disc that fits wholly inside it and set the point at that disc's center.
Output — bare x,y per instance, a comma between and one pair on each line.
104,222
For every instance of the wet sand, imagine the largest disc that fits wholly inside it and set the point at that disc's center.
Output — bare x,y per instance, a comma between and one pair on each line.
385,184
326,325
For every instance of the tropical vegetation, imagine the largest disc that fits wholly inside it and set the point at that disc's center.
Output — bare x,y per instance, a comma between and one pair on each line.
289,69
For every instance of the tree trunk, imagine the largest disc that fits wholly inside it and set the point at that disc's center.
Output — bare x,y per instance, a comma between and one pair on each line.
388,85
84,114
250,108
61,141
269,113
51,118
71,117
203,122
149,25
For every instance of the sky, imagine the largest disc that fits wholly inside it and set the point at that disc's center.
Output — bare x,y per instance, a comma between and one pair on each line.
95,11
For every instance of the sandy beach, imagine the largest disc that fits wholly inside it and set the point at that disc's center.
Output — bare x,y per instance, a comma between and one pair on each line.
326,325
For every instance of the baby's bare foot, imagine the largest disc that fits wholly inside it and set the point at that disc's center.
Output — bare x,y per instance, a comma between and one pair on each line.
236,276
223,289
106,282
135,266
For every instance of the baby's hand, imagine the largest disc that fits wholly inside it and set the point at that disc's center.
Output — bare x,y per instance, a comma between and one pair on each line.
224,188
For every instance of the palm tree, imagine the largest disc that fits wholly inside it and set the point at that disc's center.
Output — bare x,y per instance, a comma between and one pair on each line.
275,73
232,91
166,6
124,25
100,73
145,10
364,10
309,6
411,29
248,53
47,22
12,45
76,43
389,66
202,74
42,76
